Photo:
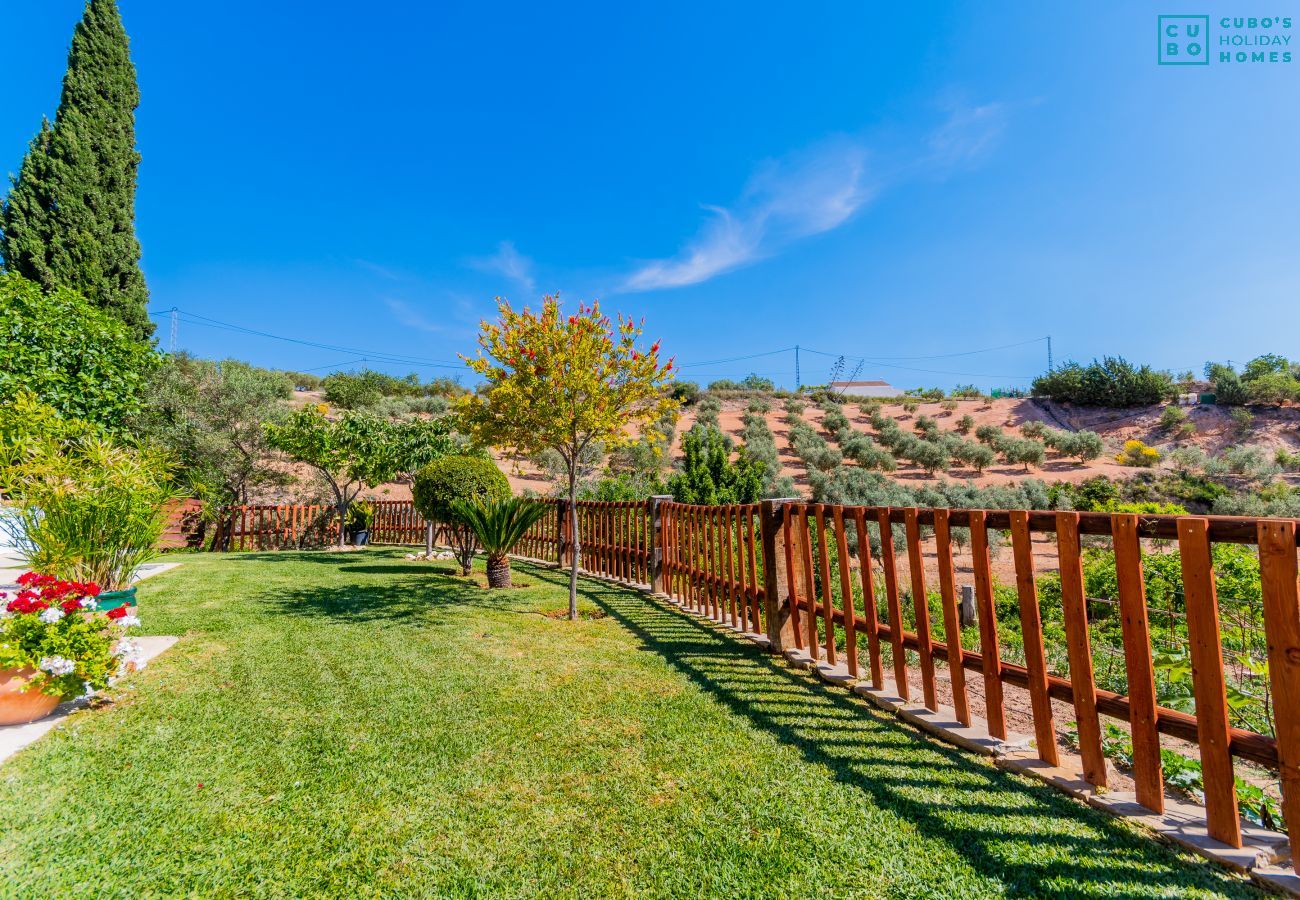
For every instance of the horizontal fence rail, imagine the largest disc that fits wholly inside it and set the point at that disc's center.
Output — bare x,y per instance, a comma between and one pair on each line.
876,590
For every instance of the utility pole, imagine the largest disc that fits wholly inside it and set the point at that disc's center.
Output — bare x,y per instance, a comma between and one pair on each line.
798,384
171,348
1049,353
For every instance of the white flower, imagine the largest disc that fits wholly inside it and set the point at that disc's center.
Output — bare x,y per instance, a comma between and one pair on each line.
51,615
87,602
126,648
57,665
129,621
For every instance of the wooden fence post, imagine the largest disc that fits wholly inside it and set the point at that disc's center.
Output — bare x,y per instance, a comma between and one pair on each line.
967,605
657,542
776,602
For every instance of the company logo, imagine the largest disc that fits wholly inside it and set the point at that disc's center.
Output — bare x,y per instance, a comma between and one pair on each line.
1187,40
1183,40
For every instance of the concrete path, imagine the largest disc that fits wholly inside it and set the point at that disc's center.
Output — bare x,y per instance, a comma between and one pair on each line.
15,737
13,564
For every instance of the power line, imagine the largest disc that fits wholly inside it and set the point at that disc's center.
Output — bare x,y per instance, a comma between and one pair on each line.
371,355
715,362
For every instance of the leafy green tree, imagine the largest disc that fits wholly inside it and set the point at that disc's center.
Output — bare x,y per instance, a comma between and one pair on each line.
210,416
1272,387
564,383
1082,445
1228,387
70,218
975,455
442,485
708,476
929,455
348,454
1268,364
74,357
1112,382
1024,451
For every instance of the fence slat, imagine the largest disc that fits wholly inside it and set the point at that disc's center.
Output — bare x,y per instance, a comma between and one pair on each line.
809,581
824,564
920,607
951,616
1031,629
1079,646
846,592
991,659
1281,587
1208,683
869,599
889,564
1148,774
728,552
789,534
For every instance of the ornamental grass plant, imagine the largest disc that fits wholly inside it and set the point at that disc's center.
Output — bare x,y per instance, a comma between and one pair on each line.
89,510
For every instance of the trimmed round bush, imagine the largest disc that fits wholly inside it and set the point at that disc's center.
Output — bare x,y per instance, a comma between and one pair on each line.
451,478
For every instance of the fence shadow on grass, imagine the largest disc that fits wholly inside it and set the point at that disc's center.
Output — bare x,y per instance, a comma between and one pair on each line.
1003,826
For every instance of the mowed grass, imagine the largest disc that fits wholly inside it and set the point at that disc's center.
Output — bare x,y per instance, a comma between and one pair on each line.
360,725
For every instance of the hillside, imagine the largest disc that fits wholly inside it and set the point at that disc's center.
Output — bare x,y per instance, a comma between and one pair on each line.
1272,428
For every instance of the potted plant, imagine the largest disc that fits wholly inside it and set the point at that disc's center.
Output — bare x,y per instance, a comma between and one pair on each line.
54,646
499,525
361,516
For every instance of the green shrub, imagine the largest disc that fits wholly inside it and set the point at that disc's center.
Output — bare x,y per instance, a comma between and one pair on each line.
438,486
684,392
1112,382
973,454
926,427
88,510
76,358
988,434
1242,419
965,424
1136,453
1081,445
1035,430
708,476
1172,417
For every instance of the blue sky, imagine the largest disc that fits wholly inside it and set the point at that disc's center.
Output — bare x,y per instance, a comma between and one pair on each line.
889,181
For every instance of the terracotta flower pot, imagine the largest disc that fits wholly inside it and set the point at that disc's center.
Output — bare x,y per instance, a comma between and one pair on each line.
18,707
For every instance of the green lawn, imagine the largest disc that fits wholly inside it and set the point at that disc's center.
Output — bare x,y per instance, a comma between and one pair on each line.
359,725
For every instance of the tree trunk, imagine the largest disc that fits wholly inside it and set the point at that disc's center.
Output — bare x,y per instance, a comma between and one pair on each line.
576,546
428,539
343,521
498,571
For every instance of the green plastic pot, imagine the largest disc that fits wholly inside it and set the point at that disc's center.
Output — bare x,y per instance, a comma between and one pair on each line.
113,599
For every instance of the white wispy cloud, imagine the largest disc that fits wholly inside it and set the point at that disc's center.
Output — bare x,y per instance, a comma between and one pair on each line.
815,191
786,199
968,136
411,317
509,262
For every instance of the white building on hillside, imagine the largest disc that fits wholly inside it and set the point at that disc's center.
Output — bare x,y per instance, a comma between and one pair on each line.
865,389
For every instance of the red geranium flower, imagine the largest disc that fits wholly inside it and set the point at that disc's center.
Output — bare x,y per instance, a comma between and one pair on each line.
70,606
118,613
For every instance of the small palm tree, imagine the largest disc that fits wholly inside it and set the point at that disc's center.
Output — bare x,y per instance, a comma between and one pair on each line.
499,525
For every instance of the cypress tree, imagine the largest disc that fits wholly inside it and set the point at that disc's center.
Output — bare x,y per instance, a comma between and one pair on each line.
26,214
70,218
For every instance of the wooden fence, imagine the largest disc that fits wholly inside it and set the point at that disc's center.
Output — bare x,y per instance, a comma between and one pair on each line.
826,579
308,526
